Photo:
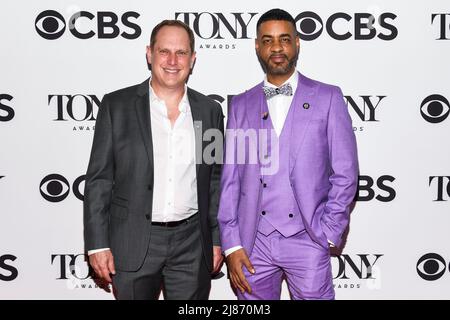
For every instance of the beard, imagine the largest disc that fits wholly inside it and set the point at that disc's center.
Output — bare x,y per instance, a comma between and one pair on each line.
278,69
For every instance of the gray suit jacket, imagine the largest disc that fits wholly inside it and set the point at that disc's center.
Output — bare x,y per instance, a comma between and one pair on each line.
119,180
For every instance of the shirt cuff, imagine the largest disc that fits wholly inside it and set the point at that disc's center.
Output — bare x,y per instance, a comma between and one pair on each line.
96,250
231,250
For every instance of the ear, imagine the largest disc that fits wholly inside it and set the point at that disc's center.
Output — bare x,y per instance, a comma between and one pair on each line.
256,45
193,57
149,55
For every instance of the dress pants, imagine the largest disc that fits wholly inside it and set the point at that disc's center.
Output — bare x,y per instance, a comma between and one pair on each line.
304,264
174,264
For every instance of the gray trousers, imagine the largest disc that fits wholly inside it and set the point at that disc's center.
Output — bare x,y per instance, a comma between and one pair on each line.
174,264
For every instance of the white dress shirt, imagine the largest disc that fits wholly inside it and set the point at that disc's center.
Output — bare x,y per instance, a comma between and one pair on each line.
278,109
175,177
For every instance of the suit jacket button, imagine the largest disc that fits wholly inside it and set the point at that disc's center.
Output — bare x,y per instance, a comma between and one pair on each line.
149,187
263,213
147,216
290,215
265,185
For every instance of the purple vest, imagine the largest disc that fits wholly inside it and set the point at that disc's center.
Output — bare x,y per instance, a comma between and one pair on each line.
279,210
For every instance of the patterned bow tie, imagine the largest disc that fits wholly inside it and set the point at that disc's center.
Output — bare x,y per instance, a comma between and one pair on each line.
285,89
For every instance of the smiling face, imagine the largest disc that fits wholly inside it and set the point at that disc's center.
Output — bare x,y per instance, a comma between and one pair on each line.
277,46
171,58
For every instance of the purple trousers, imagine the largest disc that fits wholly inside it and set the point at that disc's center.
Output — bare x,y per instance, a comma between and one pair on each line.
304,264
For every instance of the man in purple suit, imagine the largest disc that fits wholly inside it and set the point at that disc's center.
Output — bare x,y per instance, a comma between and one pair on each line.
279,214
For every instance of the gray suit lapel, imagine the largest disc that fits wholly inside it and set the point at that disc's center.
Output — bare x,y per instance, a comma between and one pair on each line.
142,107
198,128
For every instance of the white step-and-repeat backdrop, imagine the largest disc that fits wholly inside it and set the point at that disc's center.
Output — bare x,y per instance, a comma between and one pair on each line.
58,59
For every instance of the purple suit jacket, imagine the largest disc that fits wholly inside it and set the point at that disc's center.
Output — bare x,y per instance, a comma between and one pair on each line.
323,166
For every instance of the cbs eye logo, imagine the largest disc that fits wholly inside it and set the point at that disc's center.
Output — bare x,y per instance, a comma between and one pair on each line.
50,24
431,267
435,108
310,24
56,188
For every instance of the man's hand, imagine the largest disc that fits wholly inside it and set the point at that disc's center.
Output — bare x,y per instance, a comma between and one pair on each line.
217,259
103,264
235,261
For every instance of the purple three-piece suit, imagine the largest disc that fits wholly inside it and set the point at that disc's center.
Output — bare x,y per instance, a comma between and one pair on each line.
285,218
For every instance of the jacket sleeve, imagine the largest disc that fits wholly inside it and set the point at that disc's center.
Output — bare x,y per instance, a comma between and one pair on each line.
230,186
99,182
344,167
214,188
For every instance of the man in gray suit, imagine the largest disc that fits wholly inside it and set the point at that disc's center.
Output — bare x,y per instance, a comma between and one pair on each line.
151,199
